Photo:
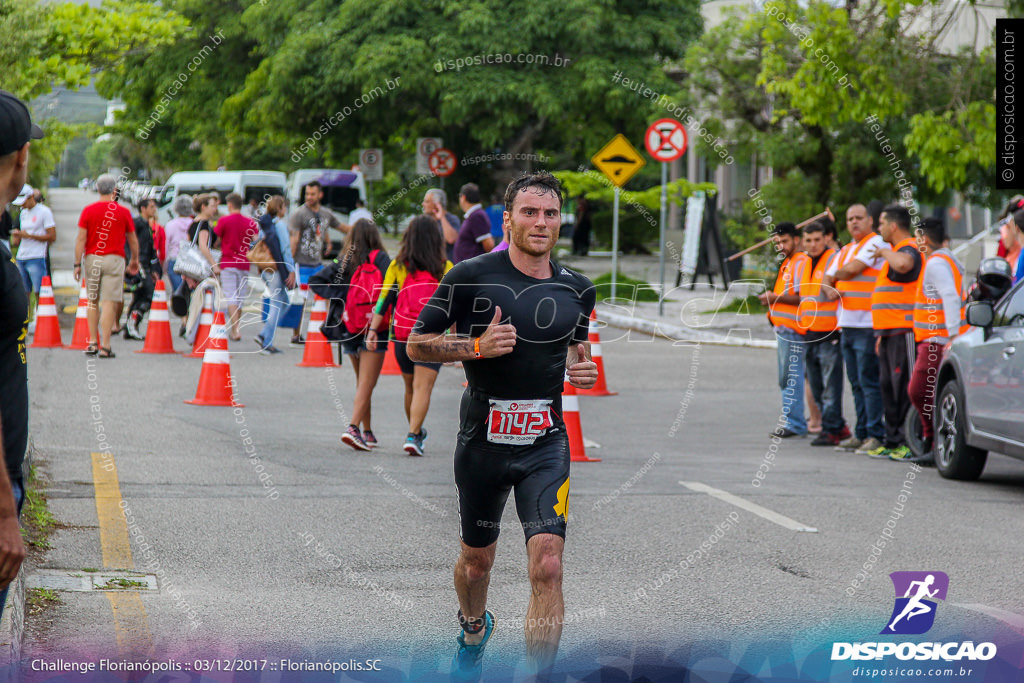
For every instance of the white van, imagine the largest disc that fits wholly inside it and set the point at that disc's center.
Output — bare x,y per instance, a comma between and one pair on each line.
341,189
250,184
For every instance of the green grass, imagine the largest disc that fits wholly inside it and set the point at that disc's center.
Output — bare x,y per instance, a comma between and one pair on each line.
626,288
119,583
37,520
39,599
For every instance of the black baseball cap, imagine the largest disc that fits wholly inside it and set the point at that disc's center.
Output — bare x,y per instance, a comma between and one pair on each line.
16,127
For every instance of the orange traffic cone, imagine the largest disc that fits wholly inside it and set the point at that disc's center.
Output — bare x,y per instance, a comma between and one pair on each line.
318,352
47,326
203,333
158,332
390,362
571,417
601,387
215,385
80,335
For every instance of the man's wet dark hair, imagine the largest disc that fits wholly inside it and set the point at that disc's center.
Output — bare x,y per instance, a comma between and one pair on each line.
540,179
817,226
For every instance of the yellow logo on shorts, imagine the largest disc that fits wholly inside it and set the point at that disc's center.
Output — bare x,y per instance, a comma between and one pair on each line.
562,507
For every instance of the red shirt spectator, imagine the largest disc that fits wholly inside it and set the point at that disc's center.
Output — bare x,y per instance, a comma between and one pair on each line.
159,241
236,233
107,225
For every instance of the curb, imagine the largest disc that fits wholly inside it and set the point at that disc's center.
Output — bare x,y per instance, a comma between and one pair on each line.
12,625
681,333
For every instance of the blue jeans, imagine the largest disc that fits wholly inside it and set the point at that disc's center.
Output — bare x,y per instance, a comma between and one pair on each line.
175,278
791,352
277,305
825,375
32,272
862,371
18,487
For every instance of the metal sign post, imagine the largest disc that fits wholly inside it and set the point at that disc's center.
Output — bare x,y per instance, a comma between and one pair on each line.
615,240
619,161
665,141
661,238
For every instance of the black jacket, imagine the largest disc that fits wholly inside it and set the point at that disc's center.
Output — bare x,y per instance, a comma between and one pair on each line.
148,258
274,245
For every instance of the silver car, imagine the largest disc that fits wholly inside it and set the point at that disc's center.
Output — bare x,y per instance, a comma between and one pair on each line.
980,399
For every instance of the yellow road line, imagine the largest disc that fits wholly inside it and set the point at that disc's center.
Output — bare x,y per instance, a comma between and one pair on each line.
131,626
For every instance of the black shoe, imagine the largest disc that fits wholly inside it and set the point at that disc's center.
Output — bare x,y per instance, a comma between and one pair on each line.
181,331
785,433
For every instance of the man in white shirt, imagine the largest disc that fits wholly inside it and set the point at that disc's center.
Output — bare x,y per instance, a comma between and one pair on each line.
359,212
36,231
852,277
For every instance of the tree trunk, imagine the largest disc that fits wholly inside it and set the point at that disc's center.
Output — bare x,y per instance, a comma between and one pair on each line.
505,170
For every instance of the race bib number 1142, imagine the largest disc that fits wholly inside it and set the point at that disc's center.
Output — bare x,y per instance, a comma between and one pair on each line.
518,423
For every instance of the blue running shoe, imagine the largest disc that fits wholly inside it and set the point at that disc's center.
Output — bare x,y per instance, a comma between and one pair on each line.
467,664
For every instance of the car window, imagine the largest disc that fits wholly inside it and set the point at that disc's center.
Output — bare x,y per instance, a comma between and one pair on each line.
1010,312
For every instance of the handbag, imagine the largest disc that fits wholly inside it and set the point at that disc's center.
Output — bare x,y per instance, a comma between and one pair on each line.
192,263
180,298
259,256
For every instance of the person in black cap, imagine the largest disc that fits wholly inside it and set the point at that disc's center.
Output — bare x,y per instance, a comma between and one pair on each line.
16,132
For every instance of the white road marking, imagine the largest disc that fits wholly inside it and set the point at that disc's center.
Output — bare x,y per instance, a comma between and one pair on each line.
764,512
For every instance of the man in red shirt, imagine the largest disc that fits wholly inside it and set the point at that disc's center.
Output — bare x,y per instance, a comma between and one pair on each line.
236,232
102,230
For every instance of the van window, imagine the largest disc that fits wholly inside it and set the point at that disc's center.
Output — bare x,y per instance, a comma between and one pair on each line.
340,198
261,193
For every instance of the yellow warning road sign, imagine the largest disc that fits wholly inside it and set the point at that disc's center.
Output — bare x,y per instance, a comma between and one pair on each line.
618,160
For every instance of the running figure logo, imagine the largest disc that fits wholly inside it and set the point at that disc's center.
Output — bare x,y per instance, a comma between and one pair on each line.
914,612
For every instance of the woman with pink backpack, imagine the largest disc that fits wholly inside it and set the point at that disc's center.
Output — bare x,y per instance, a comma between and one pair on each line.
353,283
409,283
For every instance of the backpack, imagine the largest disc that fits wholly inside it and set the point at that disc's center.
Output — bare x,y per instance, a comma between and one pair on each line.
362,295
412,298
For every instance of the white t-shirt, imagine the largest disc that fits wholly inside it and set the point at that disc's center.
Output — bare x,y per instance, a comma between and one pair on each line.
357,213
868,255
35,221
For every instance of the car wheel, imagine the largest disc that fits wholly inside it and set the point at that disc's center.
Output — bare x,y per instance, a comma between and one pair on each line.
953,457
913,432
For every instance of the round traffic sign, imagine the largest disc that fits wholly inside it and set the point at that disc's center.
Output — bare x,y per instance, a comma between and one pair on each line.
428,146
442,162
666,139
370,158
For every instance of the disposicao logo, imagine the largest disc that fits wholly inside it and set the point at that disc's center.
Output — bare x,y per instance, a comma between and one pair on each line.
916,599
917,596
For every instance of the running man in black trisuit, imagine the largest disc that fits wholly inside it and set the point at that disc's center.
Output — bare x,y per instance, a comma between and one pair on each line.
521,321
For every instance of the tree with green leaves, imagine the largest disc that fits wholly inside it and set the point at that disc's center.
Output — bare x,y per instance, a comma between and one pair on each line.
65,44
793,86
485,76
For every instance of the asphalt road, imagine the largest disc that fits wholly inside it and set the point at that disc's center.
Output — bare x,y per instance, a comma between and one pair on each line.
339,554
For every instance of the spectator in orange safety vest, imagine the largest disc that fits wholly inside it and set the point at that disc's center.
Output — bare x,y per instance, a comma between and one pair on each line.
892,313
939,315
784,304
818,317
852,277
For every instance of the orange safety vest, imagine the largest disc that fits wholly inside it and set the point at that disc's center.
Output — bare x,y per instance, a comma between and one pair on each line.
818,316
791,273
892,303
929,316
856,292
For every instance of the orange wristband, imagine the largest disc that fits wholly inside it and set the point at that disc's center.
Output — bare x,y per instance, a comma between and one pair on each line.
476,348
